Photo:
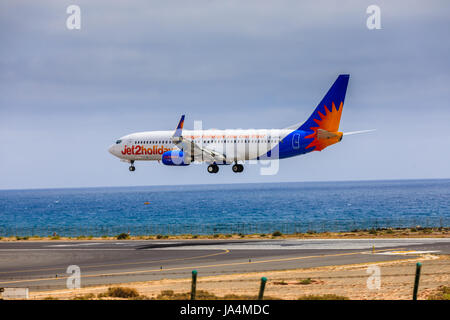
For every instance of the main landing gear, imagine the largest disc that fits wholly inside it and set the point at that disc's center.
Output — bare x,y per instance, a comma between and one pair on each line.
132,167
237,168
213,168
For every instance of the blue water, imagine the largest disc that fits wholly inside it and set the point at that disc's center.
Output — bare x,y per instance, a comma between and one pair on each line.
311,205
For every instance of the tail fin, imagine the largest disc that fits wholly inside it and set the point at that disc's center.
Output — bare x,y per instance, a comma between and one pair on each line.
327,114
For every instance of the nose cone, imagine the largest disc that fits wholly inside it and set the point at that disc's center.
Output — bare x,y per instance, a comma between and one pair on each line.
111,150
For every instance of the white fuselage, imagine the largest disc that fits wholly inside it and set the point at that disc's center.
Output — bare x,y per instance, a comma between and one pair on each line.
239,145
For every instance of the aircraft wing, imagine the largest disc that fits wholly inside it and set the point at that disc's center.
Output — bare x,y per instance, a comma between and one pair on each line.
193,150
200,153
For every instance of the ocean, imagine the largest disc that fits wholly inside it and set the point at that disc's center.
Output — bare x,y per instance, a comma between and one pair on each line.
234,208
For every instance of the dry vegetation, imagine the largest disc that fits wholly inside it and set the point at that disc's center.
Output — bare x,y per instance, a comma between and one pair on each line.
417,232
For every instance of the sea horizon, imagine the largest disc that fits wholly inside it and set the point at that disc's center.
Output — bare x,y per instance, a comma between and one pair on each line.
224,183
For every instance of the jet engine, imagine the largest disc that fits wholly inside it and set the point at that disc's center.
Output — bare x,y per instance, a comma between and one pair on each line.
174,158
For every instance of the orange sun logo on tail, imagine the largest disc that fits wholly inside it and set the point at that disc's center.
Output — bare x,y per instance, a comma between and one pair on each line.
329,123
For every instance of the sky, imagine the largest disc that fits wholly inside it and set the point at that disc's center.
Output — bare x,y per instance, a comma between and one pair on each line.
67,95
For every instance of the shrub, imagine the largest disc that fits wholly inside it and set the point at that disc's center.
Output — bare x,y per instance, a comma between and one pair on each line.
167,293
54,238
123,236
372,231
159,236
170,295
277,234
305,281
122,292
442,294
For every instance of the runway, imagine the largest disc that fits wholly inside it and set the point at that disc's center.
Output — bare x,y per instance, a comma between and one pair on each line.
42,265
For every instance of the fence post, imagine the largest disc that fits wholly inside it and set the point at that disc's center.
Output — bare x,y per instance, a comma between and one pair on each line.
261,288
416,280
194,284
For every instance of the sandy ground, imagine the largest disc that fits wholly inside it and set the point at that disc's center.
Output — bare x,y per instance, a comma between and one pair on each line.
397,279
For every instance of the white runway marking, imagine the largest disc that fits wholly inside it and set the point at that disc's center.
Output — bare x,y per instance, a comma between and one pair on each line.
74,244
406,252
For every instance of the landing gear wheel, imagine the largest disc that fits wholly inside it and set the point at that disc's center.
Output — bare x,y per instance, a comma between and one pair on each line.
132,168
213,168
237,168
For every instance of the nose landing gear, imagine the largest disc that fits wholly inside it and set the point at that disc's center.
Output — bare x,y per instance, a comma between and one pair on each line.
132,167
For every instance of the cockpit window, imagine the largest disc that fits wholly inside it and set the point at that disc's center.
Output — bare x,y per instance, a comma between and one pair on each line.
118,141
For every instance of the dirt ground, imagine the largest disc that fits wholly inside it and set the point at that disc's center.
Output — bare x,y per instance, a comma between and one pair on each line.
397,280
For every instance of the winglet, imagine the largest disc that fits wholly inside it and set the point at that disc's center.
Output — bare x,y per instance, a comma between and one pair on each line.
179,129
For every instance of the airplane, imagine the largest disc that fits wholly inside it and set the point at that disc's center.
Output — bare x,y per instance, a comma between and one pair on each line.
234,147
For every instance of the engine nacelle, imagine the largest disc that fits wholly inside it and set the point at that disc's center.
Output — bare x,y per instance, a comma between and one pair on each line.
174,158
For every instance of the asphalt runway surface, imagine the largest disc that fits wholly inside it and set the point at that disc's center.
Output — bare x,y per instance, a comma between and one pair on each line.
42,265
